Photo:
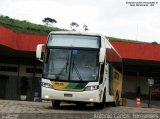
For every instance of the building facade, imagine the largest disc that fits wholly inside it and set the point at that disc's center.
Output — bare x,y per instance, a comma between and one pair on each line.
20,71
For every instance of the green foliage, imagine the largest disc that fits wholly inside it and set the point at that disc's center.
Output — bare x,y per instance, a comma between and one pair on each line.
30,28
123,40
85,27
48,20
26,27
74,25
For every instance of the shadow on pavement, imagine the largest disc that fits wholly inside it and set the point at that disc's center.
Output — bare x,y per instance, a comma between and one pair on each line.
143,103
74,107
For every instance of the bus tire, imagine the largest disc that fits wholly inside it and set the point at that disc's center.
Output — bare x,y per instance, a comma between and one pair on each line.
102,104
108,104
117,102
55,104
81,105
99,105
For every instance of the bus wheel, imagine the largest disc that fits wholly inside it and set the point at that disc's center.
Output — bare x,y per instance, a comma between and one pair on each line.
108,104
117,102
55,104
99,105
102,104
80,105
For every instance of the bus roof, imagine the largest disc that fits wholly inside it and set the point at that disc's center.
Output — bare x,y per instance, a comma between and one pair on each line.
75,33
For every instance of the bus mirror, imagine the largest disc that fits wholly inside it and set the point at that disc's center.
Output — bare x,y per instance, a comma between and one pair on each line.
39,52
102,55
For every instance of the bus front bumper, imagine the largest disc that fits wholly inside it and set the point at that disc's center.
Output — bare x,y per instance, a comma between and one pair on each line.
84,96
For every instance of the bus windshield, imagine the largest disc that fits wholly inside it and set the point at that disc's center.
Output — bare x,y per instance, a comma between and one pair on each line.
71,65
74,41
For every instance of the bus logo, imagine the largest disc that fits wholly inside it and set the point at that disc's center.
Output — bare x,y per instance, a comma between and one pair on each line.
59,84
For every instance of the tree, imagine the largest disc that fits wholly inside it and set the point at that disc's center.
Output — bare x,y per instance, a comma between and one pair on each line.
48,20
85,27
74,25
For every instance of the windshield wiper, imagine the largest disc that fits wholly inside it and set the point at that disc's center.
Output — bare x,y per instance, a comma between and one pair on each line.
65,67
76,69
67,62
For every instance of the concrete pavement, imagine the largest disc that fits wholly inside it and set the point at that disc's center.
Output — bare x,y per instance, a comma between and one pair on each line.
43,110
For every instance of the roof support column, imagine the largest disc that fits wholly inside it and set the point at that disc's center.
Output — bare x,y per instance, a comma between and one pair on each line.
138,90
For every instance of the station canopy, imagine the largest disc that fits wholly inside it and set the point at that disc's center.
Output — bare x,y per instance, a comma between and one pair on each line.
136,56
139,57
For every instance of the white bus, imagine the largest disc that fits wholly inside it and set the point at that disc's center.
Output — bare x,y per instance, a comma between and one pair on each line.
77,68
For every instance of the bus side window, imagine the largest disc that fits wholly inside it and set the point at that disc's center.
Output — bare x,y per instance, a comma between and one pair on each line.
101,74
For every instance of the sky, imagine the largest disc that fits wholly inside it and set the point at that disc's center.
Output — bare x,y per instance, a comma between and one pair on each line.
115,18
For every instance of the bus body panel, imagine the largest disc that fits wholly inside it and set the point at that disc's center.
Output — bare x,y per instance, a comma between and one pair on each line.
82,96
117,83
69,91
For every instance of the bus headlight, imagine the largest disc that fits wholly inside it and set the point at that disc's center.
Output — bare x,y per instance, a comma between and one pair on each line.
46,85
90,88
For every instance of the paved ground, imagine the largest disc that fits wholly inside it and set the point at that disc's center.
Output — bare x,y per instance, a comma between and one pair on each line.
144,103
43,110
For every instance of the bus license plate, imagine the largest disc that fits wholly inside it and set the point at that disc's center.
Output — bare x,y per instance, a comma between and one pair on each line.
67,95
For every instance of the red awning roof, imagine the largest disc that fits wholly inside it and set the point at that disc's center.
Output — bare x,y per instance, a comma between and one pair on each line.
28,42
20,41
140,51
